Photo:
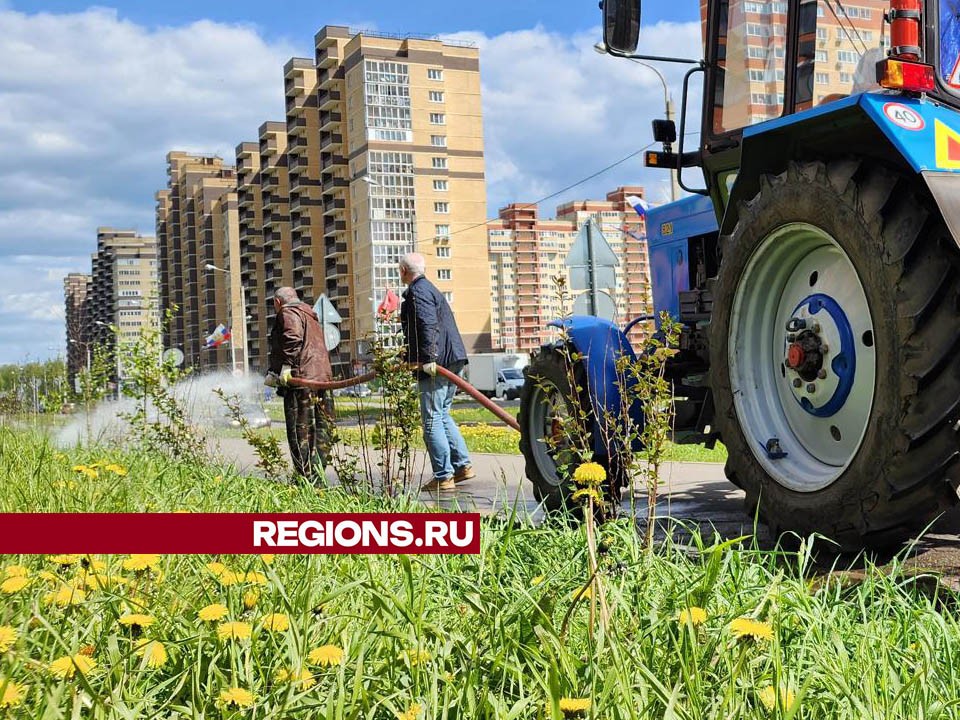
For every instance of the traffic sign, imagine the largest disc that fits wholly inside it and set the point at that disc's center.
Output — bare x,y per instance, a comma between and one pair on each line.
605,306
329,317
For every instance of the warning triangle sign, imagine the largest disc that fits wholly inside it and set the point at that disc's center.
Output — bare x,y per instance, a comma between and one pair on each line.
948,146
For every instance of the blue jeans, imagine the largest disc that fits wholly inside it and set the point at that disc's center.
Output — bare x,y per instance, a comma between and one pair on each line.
445,445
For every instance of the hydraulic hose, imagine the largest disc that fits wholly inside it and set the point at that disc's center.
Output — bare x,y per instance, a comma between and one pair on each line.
452,377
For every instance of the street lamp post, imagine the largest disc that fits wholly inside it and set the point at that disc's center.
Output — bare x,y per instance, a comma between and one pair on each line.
667,107
233,321
116,351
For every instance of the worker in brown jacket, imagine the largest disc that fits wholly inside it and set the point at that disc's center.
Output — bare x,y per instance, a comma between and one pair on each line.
298,350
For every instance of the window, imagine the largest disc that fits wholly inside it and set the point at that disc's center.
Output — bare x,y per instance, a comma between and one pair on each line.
436,96
444,274
440,185
846,78
756,76
847,56
755,7
820,12
442,231
439,163
842,35
821,56
438,119
821,33
448,296
441,207
757,53
443,252
438,140
760,99
757,30
823,78
434,74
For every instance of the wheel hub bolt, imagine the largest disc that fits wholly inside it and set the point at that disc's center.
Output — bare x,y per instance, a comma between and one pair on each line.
797,382
811,388
816,327
822,374
824,349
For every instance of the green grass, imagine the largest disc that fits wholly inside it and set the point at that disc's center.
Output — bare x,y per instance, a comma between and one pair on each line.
497,635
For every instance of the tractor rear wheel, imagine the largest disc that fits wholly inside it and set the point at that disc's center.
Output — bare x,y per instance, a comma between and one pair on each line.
835,354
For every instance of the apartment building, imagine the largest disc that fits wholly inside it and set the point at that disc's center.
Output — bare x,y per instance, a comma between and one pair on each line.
836,53
193,226
75,289
250,244
527,253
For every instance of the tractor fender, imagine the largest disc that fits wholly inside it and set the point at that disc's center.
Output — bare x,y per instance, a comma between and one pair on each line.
919,135
601,344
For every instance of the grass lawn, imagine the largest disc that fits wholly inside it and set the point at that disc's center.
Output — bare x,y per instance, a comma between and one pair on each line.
720,631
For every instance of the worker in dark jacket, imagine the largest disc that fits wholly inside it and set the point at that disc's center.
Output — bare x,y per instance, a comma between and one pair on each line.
433,339
298,350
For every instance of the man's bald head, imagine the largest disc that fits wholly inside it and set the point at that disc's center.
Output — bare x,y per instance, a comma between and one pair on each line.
414,263
286,295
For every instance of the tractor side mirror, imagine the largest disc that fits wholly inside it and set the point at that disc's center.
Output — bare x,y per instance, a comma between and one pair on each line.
664,131
621,25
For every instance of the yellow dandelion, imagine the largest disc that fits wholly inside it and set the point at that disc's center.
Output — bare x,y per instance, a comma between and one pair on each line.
589,474
136,620
582,594
8,636
95,581
233,630
154,654
66,666
16,571
92,564
250,599
139,563
276,622
65,596
229,577
412,713
326,655
303,678
48,576
87,470
588,492
694,616
212,613
237,696
415,657
768,697
13,585
257,578
65,560
574,707
538,580
216,567
12,694
268,559
116,469
748,627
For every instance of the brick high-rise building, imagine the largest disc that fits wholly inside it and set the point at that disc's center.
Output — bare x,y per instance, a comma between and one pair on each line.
75,289
527,252
252,272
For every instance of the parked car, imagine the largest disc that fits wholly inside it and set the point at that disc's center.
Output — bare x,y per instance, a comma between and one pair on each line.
359,391
254,414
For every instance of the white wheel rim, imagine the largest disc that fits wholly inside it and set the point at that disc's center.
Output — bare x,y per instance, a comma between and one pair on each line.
799,272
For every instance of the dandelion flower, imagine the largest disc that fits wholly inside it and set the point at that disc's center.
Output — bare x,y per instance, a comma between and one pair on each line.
415,657
65,560
8,636
87,470
16,571
583,594
267,559
12,694
116,469
233,630
588,492
229,577
13,585
250,599
65,596
412,713
139,563
257,578
574,707
538,580
303,678
326,655
48,576
66,666
237,696
216,567
95,581
212,613
694,616
768,697
136,620
92,564
153,653
276,622
589,474
748,627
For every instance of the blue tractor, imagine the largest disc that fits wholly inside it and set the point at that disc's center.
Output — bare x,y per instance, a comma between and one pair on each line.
815,272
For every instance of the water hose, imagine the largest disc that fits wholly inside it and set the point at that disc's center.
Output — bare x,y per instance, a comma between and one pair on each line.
469,389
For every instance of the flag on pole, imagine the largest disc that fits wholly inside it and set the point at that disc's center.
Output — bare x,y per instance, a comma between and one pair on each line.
218,337
389,305
638,204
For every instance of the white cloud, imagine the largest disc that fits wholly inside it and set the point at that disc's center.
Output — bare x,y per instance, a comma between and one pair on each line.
91,103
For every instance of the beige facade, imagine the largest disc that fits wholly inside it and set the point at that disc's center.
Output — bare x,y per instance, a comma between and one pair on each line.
75,289
193,227
527,253
250,243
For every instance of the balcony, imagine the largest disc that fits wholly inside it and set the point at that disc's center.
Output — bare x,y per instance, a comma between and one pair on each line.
330,140
300,221
296,126
332,206
329,228
329,120
334,183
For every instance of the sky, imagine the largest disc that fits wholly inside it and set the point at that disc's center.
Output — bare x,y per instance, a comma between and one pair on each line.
92,97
